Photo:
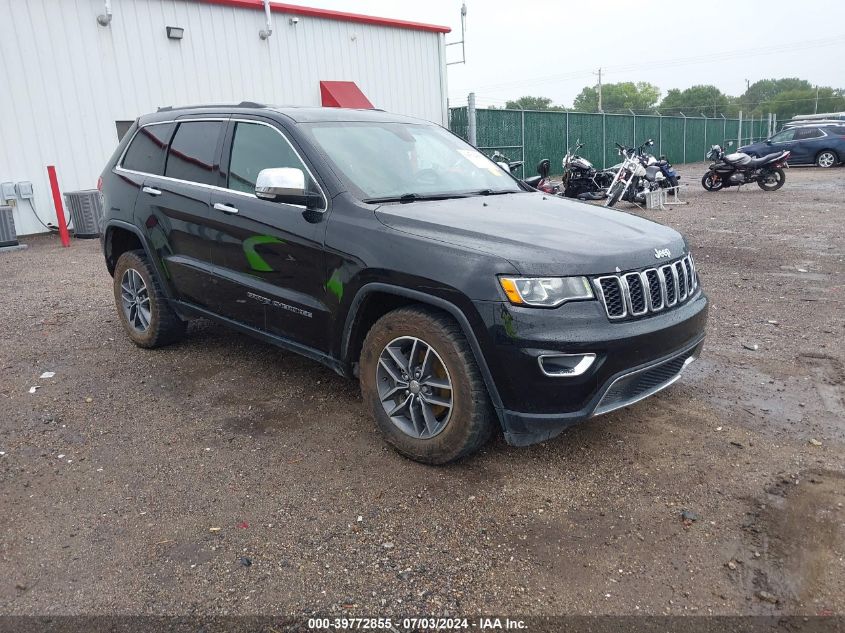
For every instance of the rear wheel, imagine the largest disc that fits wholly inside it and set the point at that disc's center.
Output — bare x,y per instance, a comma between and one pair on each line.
711,182
772,180
146,316
615,193
423,387
826,159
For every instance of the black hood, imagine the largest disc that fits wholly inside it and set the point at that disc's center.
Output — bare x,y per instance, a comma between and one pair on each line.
539,234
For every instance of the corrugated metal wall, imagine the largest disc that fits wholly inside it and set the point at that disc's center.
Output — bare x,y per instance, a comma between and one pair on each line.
547,134
65,80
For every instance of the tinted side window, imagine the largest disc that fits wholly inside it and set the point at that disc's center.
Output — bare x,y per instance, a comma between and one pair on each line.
256,147
193,152
781,137
807,132
147,151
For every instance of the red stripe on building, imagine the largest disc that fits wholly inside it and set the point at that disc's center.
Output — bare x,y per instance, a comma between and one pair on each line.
327,14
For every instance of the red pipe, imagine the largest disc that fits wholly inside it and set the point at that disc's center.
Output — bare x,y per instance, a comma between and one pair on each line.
57,202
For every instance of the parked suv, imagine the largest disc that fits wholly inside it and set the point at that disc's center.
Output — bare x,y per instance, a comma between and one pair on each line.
820,145
390,250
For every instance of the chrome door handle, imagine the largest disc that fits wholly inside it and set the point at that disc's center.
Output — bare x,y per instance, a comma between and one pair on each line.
225,208
151,191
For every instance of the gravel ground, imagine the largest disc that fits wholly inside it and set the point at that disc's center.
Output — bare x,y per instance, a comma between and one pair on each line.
223,476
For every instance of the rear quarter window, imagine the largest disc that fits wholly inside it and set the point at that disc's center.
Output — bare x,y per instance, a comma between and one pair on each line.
147,151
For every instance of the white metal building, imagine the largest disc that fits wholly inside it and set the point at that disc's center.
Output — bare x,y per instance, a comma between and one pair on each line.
75,73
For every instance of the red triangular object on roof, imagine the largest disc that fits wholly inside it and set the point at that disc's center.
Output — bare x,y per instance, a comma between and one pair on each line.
343,94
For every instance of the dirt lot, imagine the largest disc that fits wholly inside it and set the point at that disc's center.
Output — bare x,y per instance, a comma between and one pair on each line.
143,481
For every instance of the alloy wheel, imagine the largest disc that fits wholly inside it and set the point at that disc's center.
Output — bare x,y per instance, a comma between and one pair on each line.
135,299
414,387
826,159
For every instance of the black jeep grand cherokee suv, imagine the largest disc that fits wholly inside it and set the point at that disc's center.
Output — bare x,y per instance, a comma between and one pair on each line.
391,250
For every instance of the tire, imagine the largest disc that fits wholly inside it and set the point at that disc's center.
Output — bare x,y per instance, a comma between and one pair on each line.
671,182
614,194
156,326
710,184
826,159
780,179
455,432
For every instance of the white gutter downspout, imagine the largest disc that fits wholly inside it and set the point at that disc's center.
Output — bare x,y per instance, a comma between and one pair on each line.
266,32
105,18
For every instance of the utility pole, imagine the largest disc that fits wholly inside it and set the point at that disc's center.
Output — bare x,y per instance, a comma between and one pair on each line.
599,74
816,109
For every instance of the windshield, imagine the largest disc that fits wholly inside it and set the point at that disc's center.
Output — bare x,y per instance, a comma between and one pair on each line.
386,161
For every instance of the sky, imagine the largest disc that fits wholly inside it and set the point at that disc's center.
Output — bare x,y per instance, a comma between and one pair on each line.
550,49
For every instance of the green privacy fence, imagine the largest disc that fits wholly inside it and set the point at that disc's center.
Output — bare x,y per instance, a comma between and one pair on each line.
532,135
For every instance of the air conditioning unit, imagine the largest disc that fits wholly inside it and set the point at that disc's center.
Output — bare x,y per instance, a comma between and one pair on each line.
8,235
86,212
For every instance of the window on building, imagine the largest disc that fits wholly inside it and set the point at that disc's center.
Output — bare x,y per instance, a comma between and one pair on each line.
147,151
256,147
193,152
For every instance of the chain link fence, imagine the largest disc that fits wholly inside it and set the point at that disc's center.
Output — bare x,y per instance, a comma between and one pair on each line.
532,135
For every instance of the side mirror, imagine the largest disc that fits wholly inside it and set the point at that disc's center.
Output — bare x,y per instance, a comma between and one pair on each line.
284,184
650,142
768,141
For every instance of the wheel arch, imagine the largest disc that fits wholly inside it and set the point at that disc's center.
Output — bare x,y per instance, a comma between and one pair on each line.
119,237
374,300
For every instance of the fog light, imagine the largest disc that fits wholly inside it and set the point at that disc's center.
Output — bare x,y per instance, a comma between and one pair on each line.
565,365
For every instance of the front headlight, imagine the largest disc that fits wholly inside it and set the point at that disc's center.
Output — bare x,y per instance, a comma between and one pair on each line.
545,292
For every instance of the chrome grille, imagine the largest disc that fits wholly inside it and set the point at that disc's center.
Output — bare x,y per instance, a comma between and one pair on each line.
636,294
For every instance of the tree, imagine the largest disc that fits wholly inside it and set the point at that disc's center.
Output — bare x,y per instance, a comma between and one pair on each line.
768,89
696,100
788,103
532,103
619,97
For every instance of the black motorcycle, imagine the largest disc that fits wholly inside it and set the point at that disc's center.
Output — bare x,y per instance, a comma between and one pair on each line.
733,170
580,179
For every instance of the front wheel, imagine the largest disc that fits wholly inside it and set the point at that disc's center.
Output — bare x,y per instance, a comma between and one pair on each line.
826,159
669,183
711,182
422,385
615,193
771,180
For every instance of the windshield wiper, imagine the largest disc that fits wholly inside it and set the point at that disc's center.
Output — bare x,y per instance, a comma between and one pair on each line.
414,197
491,192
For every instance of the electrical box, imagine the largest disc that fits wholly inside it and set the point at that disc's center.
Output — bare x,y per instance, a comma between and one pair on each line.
7,191
24,189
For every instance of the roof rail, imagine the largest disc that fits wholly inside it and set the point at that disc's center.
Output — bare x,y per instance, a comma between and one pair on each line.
242,104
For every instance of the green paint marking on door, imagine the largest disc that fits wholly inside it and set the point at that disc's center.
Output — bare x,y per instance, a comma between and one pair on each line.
256,262
335,286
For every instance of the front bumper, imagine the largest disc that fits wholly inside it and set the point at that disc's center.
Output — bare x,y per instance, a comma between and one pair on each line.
634,359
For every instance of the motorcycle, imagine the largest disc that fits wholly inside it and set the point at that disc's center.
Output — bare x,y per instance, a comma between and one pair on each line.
505,163
733,170
580,179
634,176
541,181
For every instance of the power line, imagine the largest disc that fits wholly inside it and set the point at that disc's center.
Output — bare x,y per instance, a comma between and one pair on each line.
712,57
